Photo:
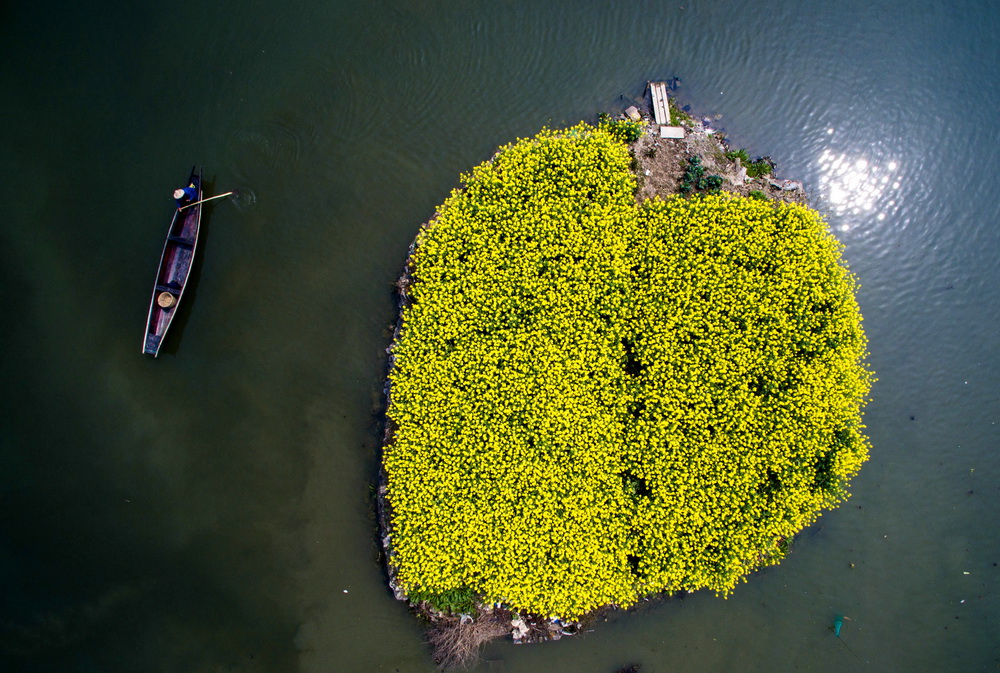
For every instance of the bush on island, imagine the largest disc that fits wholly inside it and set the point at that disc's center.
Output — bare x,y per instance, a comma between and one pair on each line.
594,400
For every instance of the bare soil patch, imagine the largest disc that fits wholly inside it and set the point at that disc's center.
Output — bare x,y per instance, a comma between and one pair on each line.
661,162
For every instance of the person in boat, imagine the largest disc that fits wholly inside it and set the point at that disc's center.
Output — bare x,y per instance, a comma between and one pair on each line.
185,195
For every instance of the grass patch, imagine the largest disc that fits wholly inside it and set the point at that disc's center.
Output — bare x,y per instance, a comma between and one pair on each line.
454,601
677,115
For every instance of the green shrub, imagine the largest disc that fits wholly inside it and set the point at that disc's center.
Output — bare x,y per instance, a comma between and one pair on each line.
759,168
710,184
757,194
755,169
693,172
594,400
694,178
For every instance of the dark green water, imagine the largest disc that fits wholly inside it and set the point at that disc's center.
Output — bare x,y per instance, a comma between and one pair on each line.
210,510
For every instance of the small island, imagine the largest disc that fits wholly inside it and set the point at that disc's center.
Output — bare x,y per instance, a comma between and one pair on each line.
626,365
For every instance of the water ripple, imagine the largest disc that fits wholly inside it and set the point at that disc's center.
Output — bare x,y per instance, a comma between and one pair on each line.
257,152
244,199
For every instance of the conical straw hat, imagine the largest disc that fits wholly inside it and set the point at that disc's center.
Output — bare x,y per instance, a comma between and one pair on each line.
165,300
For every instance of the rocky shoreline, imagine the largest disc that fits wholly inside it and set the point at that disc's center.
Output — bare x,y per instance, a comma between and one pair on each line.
661,161
659,167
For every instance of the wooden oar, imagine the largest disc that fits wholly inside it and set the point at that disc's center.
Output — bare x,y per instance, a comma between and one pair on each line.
211,198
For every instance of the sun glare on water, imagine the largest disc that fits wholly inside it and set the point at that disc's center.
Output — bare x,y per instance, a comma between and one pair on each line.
855,186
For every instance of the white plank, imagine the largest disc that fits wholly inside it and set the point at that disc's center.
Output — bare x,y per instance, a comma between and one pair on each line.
661,108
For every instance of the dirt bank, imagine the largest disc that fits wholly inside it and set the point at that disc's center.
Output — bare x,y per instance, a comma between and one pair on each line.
661,162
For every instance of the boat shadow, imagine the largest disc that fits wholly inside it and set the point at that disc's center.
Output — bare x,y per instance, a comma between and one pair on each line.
175,336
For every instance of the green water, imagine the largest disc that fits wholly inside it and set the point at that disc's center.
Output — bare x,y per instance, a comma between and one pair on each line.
210,510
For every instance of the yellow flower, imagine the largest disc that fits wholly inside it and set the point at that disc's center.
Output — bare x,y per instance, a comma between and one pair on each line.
593,400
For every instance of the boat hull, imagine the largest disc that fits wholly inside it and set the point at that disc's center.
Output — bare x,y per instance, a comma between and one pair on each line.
172,275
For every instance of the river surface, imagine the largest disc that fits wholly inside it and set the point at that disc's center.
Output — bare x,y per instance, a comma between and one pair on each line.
210,510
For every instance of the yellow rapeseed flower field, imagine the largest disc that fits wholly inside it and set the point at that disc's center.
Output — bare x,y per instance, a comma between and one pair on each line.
595,400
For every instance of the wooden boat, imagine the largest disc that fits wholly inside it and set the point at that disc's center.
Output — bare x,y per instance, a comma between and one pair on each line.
175,268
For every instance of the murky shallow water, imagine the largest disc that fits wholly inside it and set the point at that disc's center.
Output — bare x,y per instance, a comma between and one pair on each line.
210,510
